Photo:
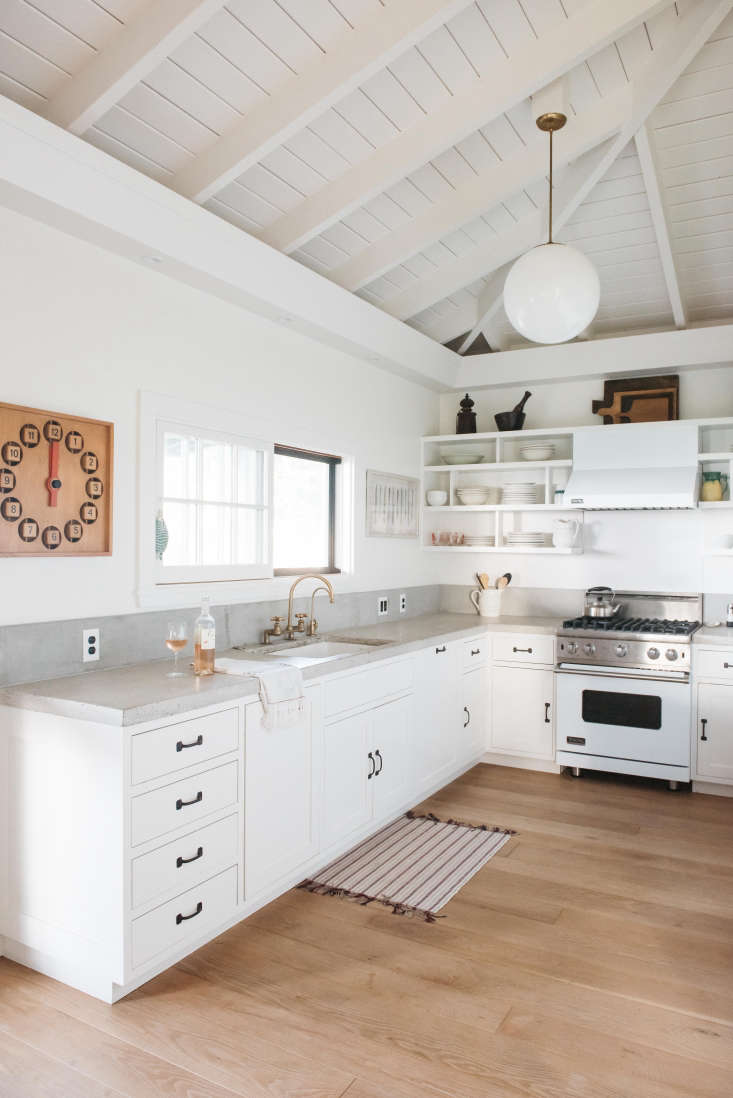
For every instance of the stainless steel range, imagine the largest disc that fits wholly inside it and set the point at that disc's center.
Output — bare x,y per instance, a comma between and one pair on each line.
623,684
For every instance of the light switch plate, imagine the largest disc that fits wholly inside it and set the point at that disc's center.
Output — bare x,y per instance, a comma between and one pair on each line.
403,603
382,606
91,645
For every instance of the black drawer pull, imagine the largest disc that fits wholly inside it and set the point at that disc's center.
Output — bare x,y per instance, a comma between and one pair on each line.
726,666
185,861
475,651
467,721
522,650
370,756
704,723
181,746
184,804
182,918
378,755
547,713
439,650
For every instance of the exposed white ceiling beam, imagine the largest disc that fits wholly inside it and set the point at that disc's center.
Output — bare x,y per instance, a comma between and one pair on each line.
481,193
491,293
363,51
593,26
54,177
645,91
687,348
153,32
649,172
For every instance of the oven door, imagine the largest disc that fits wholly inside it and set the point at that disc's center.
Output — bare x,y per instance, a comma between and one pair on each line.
623,717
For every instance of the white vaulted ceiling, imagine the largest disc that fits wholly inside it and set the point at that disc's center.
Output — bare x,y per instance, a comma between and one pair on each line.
390,145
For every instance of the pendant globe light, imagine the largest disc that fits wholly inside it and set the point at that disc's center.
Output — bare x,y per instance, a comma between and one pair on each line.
551,293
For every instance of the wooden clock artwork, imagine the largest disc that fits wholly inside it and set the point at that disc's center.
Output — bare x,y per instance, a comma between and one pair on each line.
55,484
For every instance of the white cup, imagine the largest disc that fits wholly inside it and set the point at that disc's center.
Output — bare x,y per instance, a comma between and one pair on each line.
487,603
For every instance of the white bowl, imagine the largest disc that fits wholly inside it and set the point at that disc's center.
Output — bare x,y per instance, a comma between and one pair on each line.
537,453
472,497
457,455
436,498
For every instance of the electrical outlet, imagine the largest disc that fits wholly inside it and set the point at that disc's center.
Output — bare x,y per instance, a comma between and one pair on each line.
382,606
91,645
403,603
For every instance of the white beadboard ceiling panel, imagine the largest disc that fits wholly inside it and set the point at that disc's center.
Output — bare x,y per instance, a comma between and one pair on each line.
244,54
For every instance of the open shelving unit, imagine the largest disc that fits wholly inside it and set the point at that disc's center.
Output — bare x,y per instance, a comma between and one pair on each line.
500,464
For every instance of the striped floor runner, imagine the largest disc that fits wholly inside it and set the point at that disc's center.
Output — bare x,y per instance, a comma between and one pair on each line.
414,865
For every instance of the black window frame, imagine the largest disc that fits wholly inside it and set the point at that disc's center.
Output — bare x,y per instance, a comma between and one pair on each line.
332,462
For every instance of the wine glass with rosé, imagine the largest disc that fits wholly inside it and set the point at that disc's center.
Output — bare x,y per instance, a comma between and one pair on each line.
176,640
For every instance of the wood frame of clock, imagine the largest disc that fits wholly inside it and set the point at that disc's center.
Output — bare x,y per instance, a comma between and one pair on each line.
56,484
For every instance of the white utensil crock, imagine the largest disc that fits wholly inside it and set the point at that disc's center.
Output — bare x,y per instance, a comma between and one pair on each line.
487,603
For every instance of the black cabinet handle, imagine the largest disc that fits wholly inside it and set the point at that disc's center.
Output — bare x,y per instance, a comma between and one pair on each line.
522,650
467,711
704,723
370,756
185,861
439,650
475,651
547,713
378,754
726,666
182,918
181,746
184,804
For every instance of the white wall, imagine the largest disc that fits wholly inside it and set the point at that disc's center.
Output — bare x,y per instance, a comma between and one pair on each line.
646,550
84,331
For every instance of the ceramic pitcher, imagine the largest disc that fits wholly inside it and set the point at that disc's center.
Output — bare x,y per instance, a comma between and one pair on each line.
487,602
564,533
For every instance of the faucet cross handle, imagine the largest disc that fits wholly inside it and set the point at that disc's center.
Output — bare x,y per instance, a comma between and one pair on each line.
301,622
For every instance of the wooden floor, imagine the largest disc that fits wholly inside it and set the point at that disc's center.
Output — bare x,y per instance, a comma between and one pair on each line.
592,958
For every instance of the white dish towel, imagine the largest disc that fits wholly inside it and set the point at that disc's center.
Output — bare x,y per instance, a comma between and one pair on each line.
280,689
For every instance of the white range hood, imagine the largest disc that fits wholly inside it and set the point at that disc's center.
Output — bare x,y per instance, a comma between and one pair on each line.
634,466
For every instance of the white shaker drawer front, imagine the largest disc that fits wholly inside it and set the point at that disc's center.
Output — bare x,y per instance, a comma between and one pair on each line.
183,802
524,647
713,664
366,687
476,653
187,916
186,861
165,750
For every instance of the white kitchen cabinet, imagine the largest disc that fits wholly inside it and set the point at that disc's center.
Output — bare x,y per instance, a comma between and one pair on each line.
714,732
367,772
474,733
521,711
282,769
438,712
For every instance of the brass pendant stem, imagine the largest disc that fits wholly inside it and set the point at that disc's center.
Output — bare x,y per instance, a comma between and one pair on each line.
549,236
548,123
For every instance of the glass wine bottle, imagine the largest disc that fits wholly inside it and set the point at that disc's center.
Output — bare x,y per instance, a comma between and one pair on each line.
204,641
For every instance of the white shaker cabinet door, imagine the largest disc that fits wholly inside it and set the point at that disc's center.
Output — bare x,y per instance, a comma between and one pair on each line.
715,732
521,711
393,780
282,772
476,691
438,712
348,760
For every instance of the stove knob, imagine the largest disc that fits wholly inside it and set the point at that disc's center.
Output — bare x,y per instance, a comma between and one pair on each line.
653,653
671,653
572,648
621,650
589,648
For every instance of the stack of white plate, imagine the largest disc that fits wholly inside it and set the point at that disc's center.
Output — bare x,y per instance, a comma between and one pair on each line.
528,539
479,540
519,495
461,455
537,451
478,495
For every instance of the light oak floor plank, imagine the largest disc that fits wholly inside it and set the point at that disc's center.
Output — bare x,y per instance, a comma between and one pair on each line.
593,958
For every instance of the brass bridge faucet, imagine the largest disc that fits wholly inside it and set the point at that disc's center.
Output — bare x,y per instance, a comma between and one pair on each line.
290,628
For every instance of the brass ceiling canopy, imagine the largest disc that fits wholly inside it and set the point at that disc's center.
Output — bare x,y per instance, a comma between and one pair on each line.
551,121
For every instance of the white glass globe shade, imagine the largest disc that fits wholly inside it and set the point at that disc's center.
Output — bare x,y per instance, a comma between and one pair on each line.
551,293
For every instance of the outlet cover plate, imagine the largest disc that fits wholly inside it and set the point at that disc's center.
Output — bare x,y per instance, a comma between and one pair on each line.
91,644
403,603
382,606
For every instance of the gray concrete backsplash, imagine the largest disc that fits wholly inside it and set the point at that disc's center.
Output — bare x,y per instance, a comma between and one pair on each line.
47,650
539,602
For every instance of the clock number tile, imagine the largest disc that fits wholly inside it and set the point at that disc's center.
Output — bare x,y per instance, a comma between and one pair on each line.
53,431
12,453
7,481
51,537
11,508
28,530
74,442
30,435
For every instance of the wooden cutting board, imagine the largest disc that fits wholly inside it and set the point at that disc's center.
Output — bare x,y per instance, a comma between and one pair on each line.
639,399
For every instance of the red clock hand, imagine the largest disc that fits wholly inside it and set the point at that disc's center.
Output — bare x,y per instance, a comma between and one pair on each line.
53,483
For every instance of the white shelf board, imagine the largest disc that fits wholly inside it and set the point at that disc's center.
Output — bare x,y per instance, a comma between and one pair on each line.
718,553
717,455
482,466
489,507
528,550
491,436
717,505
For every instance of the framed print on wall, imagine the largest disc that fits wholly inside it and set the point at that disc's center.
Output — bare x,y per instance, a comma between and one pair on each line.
391,505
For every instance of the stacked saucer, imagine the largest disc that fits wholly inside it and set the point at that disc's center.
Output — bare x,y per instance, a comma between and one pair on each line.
537,451
519,495
528,539
479,540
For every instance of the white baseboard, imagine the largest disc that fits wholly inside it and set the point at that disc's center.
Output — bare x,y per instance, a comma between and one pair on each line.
713,788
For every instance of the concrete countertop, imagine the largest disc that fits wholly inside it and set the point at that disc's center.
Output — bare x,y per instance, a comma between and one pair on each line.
719,635
143,692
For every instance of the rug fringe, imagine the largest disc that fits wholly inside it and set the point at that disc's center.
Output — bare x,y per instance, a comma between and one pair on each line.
459,823
364,900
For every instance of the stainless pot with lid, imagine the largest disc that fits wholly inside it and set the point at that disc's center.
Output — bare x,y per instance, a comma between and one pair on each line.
600,602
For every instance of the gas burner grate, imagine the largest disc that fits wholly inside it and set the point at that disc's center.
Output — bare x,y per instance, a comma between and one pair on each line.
661,626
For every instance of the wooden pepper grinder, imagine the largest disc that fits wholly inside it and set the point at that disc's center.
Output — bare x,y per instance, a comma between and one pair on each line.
466,418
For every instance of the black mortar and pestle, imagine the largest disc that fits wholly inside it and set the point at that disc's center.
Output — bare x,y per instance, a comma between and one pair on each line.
514,420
